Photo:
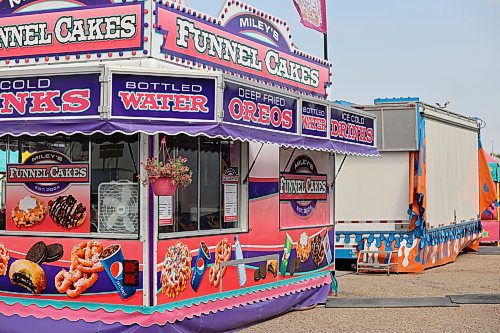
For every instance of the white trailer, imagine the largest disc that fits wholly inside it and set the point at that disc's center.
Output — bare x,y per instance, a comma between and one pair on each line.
372,194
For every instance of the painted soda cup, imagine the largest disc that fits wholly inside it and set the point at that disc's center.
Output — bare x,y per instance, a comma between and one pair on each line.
287,249
200,266
328,250
112,261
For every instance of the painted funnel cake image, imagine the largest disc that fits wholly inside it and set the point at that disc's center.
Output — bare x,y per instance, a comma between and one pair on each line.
176,270
29,212
67,212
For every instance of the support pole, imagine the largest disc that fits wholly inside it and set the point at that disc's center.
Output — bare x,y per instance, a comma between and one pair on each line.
325,45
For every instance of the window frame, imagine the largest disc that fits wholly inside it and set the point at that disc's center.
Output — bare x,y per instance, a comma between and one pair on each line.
143,211
243,201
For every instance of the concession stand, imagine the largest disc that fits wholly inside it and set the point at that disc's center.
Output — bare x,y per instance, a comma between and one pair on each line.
93,91
490,218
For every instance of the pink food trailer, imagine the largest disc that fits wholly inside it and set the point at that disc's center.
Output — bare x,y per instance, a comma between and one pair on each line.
92,95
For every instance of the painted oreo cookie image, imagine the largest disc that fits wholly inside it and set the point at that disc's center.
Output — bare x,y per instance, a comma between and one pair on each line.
112,261
54,252
37,253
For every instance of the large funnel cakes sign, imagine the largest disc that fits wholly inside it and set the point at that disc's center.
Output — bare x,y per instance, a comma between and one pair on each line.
49,96
163,97
76,30
253,107
241,42
49,193
354,128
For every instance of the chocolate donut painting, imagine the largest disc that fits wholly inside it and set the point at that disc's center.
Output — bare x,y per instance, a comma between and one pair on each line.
67,212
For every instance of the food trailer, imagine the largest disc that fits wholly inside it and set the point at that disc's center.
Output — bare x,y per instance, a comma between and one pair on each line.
421,200
92,95
490,218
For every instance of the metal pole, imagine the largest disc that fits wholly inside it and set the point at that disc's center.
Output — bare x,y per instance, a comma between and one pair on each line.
325,45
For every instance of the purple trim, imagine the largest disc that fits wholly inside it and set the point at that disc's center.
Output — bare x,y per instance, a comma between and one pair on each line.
222,130
151,234
221,321
261,189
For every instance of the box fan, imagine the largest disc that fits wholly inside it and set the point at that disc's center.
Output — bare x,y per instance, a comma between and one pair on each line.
118,209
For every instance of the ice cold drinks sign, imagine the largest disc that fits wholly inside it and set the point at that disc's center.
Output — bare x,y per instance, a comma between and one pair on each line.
49,96
254,107
349,127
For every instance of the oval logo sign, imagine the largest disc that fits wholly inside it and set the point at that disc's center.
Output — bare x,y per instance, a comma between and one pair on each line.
303,186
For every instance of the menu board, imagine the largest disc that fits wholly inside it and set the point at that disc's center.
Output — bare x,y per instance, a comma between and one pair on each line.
230,180
165,211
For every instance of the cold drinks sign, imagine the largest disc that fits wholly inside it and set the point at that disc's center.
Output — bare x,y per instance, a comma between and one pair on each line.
50,96
353,128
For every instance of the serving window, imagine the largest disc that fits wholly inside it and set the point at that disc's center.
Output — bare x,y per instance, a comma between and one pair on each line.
70,185
216,199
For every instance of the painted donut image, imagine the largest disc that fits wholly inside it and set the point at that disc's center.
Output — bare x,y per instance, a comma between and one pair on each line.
29,275
67,212
29,212
175,270
4,259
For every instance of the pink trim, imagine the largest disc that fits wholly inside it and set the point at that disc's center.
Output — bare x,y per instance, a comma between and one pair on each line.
159,318
263,180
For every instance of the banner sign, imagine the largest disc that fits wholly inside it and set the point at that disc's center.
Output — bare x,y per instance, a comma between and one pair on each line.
52,96
353,128
314,119
303,186
254,107
68,31
50,268
241,42
163,97
49,193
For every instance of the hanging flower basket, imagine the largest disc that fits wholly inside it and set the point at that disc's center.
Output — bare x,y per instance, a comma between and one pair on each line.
163,186
167,174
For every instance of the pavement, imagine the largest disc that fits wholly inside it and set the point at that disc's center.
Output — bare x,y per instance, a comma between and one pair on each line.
465,294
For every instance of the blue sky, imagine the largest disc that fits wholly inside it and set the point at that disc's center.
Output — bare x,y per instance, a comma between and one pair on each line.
438,50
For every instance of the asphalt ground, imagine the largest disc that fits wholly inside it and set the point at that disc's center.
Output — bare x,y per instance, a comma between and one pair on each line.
470,274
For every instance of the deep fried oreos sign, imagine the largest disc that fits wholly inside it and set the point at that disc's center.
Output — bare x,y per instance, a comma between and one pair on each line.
257,108
303,186
49,96
353,128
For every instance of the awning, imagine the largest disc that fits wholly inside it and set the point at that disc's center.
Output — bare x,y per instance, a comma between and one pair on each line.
210,129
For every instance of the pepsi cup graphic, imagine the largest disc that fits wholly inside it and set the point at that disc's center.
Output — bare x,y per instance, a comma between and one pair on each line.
200,266
112,261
